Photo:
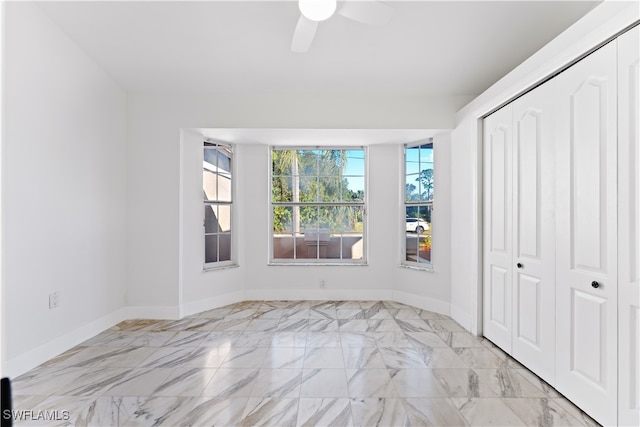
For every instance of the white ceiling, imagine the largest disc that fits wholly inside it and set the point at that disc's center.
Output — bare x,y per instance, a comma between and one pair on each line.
430,48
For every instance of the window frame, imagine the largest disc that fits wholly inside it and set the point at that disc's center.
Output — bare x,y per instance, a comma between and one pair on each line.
271,204
232,261
425,266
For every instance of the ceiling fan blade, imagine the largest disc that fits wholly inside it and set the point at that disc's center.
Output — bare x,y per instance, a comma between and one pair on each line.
303,35
367,12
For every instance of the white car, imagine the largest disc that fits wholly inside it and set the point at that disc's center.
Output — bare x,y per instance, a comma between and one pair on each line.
416,224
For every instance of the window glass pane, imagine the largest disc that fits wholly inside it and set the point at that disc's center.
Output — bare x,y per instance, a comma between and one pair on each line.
211,224
282,162
412,247
308,162
224,251
309,189
331,162
353,189
308,217
284,246
224,218
424,249
352,239
339,221
412,188
412,162
224,161
211,158
211,248
283,217
327,217
210,185
355,163
352,219
426,172
426,154
282,189
330,189
425,215
224,188
426,185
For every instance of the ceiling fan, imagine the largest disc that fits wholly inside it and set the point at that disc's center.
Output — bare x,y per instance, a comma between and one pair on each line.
314,11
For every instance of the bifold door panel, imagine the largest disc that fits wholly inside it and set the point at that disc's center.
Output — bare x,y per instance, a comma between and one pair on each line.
629,227
498,213
586,219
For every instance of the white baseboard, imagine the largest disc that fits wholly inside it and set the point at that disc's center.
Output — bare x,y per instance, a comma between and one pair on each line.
461,316
153,312
424,303
317,294
193,307
30,359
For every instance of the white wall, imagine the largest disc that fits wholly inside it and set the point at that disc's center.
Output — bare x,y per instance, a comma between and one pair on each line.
464,220
599,25
2,298
63,195
160,284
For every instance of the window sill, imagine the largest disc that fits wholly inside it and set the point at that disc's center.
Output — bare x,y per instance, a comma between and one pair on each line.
208,268
318,264
426,268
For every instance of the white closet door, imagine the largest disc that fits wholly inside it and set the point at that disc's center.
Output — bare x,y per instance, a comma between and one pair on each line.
629,227
498,213
533,263
586,220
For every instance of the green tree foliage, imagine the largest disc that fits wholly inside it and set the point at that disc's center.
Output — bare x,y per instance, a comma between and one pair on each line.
411,193
426,180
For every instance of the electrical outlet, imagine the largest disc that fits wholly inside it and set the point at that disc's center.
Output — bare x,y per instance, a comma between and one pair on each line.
323,283
53,300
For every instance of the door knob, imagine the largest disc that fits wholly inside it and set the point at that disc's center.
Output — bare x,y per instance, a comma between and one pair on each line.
595,284
519,265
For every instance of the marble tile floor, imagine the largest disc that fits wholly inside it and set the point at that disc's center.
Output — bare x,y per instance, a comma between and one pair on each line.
291,363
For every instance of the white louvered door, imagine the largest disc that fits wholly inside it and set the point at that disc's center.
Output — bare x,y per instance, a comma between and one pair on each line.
586,218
